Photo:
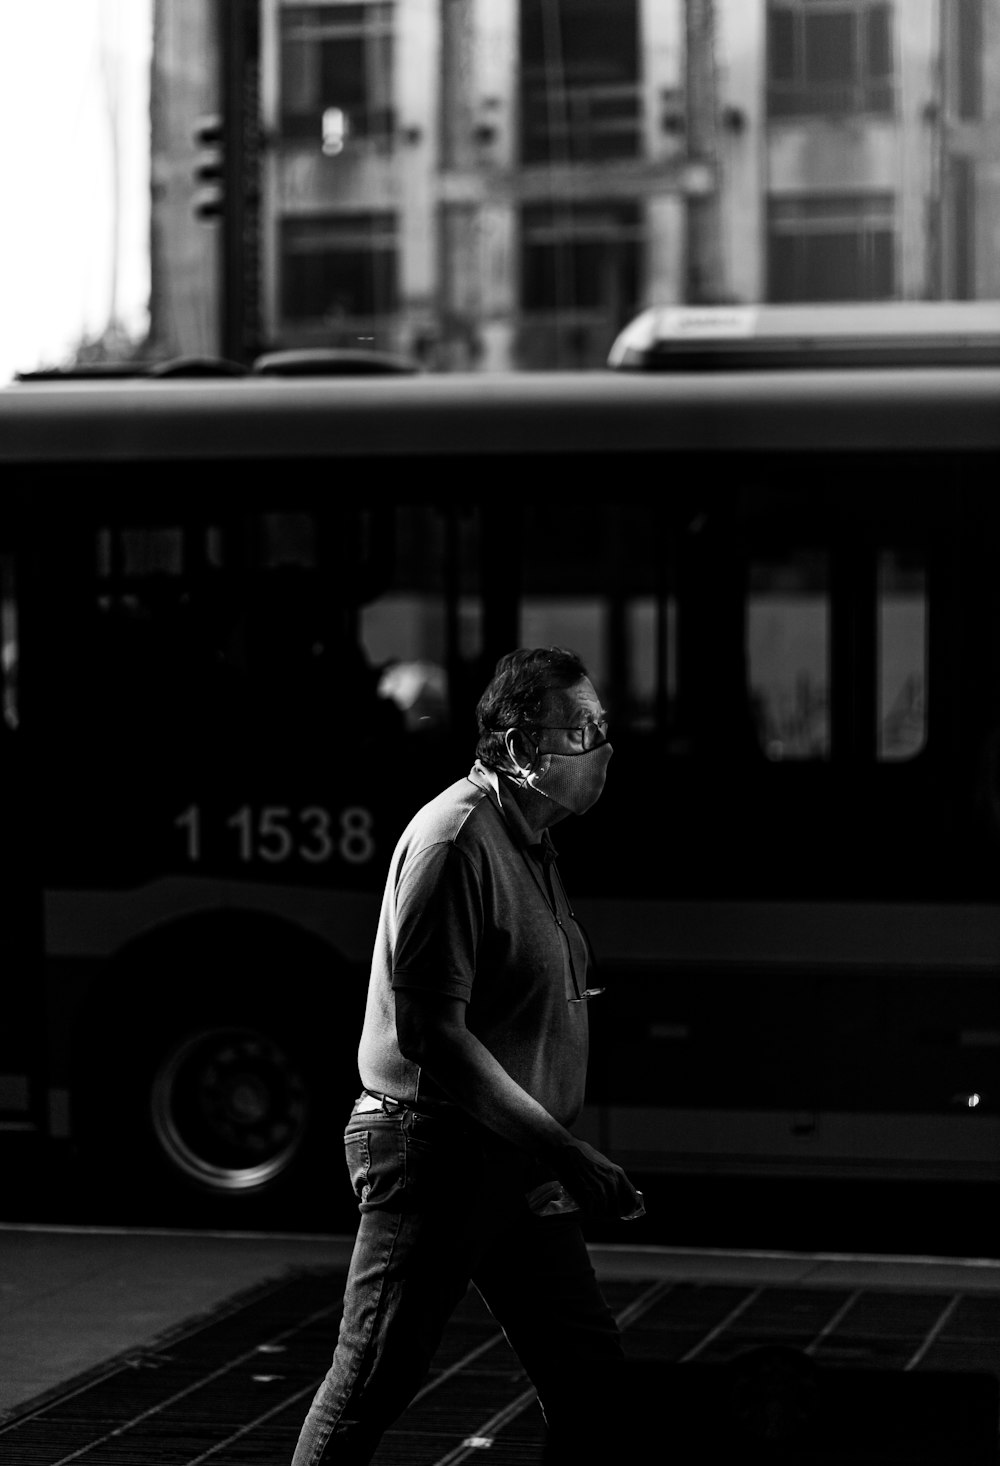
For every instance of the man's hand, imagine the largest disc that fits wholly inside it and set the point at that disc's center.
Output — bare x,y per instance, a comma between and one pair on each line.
601,1187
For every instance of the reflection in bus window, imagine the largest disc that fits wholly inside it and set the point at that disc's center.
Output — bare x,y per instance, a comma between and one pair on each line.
902,655
139,552
567,574
599,580
576,622
149,650
419,690
428,621
289,539
8,642
788,654
238,628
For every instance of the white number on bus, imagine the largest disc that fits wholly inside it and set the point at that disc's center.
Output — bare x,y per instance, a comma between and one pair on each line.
276,833
356,843
190,820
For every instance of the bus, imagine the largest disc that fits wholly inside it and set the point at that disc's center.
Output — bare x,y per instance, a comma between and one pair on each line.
245,625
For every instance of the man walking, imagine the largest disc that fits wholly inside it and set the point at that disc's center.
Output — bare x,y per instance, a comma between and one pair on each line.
473,1060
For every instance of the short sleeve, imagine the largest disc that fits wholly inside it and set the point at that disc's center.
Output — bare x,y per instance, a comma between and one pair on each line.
439,919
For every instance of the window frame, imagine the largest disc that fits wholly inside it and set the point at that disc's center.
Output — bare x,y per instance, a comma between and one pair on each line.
854,580
866,93
374,27
870,218
580,118
377,246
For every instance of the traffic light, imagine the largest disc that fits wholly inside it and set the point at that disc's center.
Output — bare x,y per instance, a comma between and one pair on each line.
226,177
209,136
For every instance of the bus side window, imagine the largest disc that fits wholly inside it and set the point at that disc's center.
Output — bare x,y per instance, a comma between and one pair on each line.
565,585
596,581
135,553
143,643
788,653
651,671
237,629
902,655
8,644
289,539
424,630
576,622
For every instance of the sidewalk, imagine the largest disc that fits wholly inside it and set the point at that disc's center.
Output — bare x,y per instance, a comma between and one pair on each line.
73,1298
70,1299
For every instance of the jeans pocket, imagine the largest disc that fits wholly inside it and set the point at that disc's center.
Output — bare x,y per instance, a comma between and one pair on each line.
358,1156
376,1165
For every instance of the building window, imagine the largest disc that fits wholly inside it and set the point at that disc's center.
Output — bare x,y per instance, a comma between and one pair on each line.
828,249
965,65
829,57
336,59
580,257
580,280
580,94
338,269
960,228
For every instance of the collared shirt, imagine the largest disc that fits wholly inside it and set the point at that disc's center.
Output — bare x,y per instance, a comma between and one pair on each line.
474,909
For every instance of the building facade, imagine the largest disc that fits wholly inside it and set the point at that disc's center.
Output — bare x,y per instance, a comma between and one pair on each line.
500,184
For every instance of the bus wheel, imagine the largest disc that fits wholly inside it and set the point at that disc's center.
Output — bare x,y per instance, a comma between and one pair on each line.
229,1109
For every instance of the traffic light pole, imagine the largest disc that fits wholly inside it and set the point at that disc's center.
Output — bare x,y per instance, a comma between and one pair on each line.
704,265
239,58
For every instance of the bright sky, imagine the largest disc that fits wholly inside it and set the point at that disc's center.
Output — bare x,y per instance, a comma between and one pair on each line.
66,67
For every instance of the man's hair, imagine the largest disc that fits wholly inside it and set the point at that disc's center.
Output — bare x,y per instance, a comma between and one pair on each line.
514,697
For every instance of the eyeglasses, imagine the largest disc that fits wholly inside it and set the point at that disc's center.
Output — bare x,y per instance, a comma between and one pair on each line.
592,734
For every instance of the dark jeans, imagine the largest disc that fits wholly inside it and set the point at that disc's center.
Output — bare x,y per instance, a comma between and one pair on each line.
442,1203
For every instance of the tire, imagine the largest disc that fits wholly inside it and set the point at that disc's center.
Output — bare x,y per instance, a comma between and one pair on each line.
219,1105
229,1108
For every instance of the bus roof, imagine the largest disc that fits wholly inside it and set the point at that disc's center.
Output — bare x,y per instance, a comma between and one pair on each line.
479,414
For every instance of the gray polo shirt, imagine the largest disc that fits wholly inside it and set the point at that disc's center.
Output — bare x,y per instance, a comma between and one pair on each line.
474,909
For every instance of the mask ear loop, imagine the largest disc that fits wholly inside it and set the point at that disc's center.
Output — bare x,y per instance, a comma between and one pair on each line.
520,776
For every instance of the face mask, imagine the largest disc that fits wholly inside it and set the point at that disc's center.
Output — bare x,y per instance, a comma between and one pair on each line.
574,780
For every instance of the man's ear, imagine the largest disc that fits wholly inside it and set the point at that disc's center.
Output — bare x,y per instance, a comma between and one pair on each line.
519,748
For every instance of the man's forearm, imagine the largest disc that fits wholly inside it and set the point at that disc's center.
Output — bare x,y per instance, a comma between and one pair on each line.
466,1070
471,1076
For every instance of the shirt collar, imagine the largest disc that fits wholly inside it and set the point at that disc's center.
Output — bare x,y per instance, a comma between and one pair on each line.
516,823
